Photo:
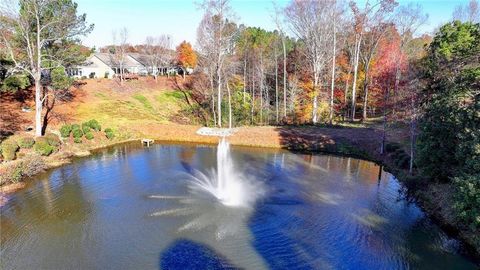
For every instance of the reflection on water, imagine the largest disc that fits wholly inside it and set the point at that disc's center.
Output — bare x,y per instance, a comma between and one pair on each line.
131,208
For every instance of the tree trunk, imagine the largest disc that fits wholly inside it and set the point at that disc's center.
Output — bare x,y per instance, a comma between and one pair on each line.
330,118
345,100
276,85
384,125
219,97
315,99
253,96
213,110
213,102
284,78
412,136
229,106
38,88
355,73
244,77
365,96
261,89
38,106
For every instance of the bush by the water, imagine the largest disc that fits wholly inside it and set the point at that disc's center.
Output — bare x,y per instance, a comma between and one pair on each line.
42,146
53,139
9,149
109,133
77,131
85,127
26,142
392,147
65,130
467,202
28,166
93,124
89,135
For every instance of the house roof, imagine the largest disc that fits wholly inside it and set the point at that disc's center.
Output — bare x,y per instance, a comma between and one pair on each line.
111,61
141,58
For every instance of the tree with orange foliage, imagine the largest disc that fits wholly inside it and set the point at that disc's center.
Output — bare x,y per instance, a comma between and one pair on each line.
186,57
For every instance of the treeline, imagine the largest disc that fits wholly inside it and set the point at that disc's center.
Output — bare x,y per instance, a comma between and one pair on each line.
327,61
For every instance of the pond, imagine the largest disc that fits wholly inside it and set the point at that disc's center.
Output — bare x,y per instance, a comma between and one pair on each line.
130,207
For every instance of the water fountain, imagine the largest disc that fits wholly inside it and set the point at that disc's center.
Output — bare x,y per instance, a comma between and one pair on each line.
228,184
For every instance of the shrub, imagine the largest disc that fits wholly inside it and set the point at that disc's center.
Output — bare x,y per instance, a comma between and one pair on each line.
109,133
467,201
53,139
77,140
76,131
398,153
93,124
89,136
42,147
392,147
15,82
26,142
9,149
403,161
28,166
85,127
65,130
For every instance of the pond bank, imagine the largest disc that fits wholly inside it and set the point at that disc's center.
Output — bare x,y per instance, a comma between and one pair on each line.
436,200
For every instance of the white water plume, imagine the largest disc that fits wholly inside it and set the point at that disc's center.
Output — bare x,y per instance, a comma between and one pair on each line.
228,184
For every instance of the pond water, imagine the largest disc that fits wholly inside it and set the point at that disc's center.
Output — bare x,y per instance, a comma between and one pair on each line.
130,207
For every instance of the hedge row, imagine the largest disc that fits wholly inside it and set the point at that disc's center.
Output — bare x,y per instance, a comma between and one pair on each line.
84,130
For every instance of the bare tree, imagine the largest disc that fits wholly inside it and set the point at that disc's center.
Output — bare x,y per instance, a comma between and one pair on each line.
118,52
28,27
336,17
158,51
308,20
215,37
278,23
470,12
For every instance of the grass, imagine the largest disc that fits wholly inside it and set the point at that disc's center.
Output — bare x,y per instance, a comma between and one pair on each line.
126,111
142,99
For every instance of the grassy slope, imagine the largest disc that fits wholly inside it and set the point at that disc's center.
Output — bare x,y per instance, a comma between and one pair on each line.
138,104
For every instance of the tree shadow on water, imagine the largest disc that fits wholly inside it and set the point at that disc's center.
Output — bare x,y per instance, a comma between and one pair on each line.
186,254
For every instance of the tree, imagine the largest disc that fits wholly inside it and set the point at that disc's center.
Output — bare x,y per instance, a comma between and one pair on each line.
215,38
283,39
118,52
370,19
451,74
186,57
34,26
469,13
158,53
408,19
309,21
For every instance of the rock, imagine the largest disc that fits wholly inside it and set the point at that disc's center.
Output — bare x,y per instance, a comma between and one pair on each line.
219,132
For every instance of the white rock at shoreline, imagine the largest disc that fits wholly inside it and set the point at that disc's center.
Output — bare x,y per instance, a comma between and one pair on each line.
219,132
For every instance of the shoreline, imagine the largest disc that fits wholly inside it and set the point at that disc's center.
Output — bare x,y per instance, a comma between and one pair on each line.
324,142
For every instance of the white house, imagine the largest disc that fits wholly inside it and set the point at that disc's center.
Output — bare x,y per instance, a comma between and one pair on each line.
106,65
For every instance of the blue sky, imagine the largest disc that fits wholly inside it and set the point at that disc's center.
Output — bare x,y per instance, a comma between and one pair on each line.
180,18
